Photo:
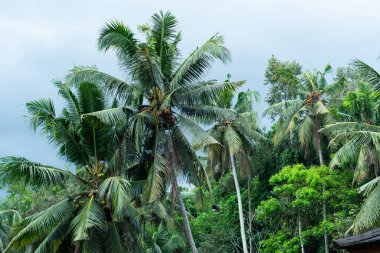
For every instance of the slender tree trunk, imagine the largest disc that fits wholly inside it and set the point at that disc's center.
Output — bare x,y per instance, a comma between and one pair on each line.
249,210
324,218
76,249
208,184
299,234
240,205
318,140
182,208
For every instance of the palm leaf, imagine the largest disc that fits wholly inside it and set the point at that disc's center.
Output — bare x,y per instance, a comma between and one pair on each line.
88,74
195,133
36,227
116,191
199,61
15,169
91,216
369,214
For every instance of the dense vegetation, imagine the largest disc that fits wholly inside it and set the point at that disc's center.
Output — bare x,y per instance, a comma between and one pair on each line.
164,160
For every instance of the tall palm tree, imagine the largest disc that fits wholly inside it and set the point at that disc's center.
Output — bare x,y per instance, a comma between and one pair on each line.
358,139
98,215
165,98
238,134
307,114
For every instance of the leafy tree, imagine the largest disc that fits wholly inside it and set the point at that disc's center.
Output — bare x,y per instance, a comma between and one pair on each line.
294,211
283,78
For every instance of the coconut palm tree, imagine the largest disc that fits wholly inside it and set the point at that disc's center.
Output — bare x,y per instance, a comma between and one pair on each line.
237,133
357,139
359,113
98,215
166,95
307,114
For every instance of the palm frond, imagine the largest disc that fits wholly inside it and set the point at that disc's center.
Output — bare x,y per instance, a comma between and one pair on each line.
370,74
112,116
54,239
36,227
205,113
306,131
91,216
42,114
231,138
165,40
116,191
114,239
200,60
199,137
115,35
246,100
204,91
88,74
369,214
16,169
155,182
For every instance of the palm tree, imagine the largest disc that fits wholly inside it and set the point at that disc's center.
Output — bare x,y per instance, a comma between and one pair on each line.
237,133
98,215
307,114
358,139
164,98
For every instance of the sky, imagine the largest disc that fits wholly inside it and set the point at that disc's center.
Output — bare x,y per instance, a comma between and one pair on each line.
41,40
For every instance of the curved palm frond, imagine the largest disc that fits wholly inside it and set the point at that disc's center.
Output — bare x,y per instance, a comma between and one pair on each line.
56,236
116,191
165,40
42,114
370,74
91,216
231,138
115,35
246,100
15,169
200,138
199,61
204,91
369,214
36,227
89,74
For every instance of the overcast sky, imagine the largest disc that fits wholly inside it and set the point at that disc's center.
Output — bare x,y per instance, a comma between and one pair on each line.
41,40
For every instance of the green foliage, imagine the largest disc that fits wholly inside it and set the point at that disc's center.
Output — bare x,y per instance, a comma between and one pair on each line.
298,194
129,139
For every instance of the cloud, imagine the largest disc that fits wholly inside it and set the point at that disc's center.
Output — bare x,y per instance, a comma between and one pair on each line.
42,40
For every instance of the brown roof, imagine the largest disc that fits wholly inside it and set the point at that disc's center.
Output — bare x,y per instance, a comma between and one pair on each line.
365,238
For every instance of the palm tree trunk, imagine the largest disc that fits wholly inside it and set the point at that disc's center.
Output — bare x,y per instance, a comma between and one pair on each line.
182,208
249,210
318,140
240,205
324,218
299,234
186,222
